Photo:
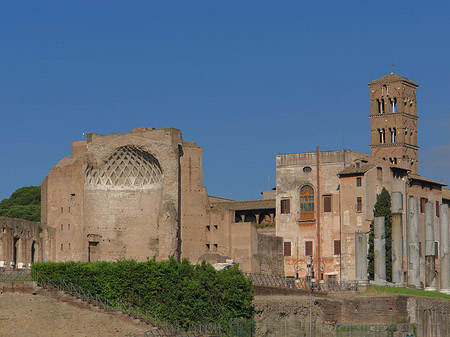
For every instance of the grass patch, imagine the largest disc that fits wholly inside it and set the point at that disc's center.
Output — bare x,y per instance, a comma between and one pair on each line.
379,290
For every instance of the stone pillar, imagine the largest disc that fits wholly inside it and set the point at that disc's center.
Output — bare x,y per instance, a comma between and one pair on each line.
397,238
380,251
430,275
445,258
257,218
361,257
243,217
413,243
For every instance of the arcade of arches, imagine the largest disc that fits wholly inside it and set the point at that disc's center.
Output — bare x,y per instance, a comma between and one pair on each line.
21,243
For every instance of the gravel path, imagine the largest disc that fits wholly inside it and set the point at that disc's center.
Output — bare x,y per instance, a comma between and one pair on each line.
36,316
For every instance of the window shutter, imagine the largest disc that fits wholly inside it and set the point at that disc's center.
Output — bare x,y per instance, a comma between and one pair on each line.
337,247
287,248
327,203
308,248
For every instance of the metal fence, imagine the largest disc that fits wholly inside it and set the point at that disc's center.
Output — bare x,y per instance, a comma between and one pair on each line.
15,275
282,281
290,328
161,327
195,330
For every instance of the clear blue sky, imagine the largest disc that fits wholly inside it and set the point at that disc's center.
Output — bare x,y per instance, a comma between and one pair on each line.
244,79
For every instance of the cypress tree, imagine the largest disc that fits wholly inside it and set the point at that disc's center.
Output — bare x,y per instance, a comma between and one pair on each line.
382,208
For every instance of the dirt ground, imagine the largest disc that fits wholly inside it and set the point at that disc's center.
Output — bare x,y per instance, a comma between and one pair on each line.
36,316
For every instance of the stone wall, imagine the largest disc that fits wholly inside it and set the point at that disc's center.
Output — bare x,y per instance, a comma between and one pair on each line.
270,255
22,242
432,317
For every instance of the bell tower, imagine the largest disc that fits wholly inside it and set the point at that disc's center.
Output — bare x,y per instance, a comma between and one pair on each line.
393,121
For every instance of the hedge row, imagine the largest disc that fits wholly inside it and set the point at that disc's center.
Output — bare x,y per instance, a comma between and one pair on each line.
177,292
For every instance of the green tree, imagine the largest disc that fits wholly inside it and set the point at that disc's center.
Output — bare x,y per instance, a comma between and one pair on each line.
382,208
24,203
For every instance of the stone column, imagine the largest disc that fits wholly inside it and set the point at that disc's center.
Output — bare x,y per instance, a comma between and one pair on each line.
430,276
397,238
380,251
361,257
413,243
445,258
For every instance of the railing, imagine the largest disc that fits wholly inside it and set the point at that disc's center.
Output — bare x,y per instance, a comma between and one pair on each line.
195,330
293,328
161,326
342,286
15,276
300,283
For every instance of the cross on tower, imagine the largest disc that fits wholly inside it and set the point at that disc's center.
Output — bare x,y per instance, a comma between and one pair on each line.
392,67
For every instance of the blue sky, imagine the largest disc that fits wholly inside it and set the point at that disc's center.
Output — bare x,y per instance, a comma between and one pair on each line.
244,79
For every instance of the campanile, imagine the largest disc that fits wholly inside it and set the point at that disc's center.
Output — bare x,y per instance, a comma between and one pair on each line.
393,121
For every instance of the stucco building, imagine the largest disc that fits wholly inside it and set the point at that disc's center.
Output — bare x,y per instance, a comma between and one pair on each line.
323,197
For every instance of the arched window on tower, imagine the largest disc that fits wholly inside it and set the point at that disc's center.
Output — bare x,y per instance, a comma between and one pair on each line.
393,133
382,106
306,203
379,106
394,105
382,133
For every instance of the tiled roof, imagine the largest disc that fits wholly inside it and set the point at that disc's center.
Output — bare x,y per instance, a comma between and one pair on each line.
353,170
214,199
417,177
245,205
391,78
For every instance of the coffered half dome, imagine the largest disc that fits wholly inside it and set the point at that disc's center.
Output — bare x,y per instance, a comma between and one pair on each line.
128,167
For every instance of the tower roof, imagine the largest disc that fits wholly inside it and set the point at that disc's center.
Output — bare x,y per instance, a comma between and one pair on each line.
392,78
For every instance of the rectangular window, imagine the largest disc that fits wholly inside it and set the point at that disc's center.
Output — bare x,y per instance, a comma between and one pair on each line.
208,247
437,208
423,201
287,248
62,246
436,249
337,247
308,248
285,206
359,204
358,181
327,203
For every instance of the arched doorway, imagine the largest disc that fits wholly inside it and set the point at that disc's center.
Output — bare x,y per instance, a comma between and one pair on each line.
15,249
34,252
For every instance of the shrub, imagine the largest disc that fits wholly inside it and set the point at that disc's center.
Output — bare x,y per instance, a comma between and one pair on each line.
176,292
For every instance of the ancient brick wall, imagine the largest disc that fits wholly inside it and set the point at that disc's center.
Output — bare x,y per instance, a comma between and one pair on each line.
270,254
22,242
